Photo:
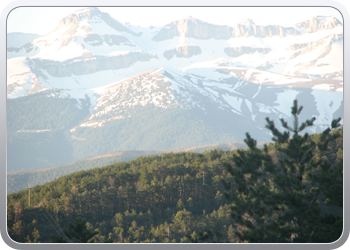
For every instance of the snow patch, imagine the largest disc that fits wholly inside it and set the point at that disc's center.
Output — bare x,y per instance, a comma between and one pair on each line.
234,101
322,86
327,102
284,101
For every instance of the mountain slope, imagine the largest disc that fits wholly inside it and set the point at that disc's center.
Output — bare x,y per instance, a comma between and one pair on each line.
95,85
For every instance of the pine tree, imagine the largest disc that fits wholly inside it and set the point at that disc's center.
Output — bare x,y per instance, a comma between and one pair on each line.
280,201
77,232
206,237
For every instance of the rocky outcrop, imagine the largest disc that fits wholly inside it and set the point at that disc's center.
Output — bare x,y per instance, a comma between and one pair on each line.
89,65
319,23
97,40
238,51
266,66
183,51
116,40
28,47
326,40
193,28
36,86
249,28
304,48
93,39
12,49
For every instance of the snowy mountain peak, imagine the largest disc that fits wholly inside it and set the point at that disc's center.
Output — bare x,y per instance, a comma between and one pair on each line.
84,33
188,18
88,11
194,28
80,15
92,20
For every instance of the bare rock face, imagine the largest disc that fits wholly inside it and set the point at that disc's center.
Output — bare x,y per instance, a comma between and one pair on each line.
304,48
36,86
97,40
186,51
249,28
191,27
12,49
27,48
93,39
194,28
319,23
238,51
90,65
116,40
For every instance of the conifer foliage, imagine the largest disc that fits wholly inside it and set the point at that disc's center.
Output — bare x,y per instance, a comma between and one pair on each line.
77,232
278,199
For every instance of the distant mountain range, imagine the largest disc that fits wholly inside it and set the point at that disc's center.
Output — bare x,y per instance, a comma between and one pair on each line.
16,40
95,85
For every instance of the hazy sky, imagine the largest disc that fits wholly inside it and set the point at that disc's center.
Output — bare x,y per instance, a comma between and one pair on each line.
41,20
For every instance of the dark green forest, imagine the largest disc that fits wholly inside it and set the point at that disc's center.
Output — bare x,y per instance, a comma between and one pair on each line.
20,180
288,191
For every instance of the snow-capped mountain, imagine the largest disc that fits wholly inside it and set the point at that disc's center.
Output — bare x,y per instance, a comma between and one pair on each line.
187,83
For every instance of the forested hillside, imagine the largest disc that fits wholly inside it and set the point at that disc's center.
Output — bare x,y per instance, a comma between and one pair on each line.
19,180
171,192
161,198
